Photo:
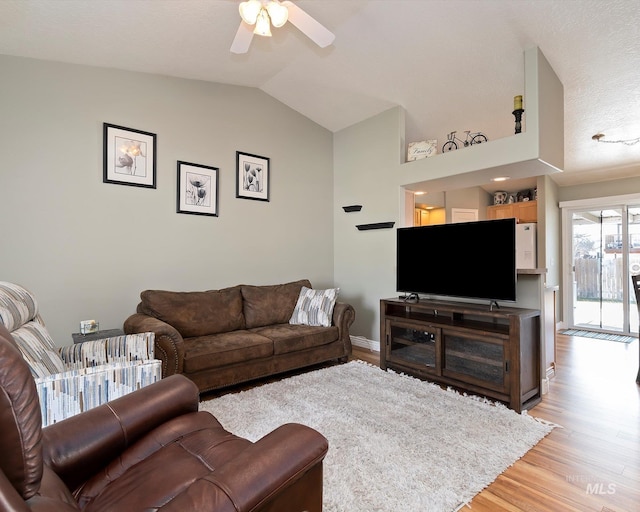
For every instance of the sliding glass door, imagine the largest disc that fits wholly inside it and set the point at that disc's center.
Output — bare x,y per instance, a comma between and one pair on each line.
605,251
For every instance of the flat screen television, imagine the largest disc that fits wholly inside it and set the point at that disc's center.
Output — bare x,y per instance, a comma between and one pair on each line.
475,260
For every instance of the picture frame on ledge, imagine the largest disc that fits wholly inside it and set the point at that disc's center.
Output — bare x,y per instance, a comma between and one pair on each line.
129,156
421,149
253,175
197,189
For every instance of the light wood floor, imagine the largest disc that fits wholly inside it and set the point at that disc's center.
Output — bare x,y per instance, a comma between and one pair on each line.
593,462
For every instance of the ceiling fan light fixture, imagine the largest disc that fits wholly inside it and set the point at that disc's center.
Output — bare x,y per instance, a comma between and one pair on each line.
258,16
250,10
263,27
278,13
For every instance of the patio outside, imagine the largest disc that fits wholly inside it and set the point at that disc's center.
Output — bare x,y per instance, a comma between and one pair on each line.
588,313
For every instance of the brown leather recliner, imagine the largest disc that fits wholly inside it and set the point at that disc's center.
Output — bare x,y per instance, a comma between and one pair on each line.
149,450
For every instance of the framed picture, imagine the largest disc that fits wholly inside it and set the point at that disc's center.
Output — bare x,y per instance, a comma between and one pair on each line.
129,156
252,176
421,149
197,189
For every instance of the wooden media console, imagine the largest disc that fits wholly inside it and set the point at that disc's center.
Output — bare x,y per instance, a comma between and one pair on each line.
493,352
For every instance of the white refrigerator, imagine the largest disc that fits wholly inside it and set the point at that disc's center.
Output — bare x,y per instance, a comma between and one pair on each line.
526,246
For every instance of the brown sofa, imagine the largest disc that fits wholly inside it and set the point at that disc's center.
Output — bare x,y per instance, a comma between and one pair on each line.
218,338
149,450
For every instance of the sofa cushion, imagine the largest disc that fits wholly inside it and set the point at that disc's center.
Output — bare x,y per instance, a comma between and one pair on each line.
292,338
196,313
315,307
273,304
217,350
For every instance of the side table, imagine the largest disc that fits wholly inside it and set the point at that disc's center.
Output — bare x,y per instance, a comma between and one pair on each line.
98,335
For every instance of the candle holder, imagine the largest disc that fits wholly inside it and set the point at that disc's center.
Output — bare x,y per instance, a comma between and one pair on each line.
518,115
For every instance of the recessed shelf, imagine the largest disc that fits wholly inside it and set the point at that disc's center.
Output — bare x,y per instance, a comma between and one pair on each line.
377,225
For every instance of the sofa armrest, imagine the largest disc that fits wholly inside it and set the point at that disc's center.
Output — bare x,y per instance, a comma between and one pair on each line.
169,345
80,446
343,316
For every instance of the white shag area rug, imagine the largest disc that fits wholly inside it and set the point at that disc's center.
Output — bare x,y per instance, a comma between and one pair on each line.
395,442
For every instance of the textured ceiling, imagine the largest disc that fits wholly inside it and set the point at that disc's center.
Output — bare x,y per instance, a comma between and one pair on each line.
452,64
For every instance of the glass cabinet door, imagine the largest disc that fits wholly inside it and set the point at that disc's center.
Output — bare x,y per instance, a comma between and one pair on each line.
416,346
483,361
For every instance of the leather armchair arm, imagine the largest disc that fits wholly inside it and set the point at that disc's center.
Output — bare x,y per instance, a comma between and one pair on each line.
262,473
10,500
343,316
80,446
169,345
271,464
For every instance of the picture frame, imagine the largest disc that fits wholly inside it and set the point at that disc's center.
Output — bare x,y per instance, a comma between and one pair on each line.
421,149
197,189
253,175
129,156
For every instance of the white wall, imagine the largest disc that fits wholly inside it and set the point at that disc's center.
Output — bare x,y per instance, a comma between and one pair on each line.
618,187
474,198
87,249
367,156
550,236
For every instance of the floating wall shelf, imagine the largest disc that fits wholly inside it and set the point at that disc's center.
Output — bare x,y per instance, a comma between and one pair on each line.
378,225
352,208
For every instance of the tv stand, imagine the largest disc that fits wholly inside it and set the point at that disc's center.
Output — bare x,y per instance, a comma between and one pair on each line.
489,352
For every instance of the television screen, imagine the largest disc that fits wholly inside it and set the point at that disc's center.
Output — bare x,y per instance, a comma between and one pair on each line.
470,259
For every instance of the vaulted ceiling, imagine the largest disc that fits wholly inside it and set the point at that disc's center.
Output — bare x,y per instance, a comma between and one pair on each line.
452,64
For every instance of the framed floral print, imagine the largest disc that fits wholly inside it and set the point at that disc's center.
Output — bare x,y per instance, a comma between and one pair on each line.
129,156
197,189
252,176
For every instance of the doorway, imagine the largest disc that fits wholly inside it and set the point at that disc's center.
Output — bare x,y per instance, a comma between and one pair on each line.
603,252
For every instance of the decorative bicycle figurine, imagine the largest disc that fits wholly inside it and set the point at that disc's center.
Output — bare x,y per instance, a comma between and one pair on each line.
471,138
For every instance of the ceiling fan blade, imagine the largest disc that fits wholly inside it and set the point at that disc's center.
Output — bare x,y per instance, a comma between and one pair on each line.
243,38
309,26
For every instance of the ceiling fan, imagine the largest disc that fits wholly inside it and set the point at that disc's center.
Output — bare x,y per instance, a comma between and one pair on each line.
258,16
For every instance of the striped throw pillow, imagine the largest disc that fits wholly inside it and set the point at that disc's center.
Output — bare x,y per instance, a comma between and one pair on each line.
17,305
38,349
314,307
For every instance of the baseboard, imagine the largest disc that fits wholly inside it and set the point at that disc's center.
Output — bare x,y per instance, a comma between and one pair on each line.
544,386
362,342
551,371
